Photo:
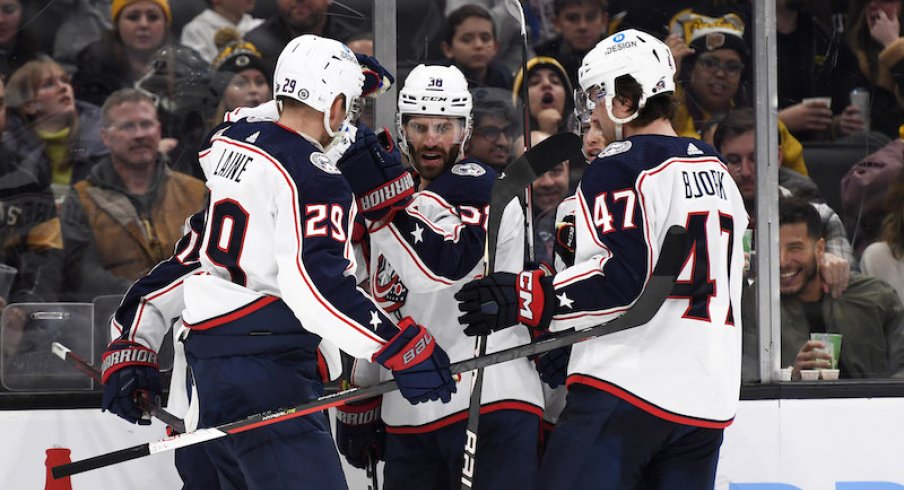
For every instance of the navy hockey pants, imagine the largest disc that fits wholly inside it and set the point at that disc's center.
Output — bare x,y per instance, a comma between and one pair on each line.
290,455
602,442
506,455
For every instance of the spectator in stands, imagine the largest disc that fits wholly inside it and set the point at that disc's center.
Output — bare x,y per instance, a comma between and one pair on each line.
813,62
82,26
868,315
127,215
580,25
862,189
297,17
549,93
546,193
508,29
469,43
200,32
885,259
121,56
734,138
874,34
55,136
18,42
30,238
241,75
495,127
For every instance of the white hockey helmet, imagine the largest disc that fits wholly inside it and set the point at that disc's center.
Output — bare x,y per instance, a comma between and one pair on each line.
433,90
315,70
631,52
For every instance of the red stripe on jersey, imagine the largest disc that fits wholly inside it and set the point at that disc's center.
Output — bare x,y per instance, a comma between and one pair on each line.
645,405
307,280
518,405
234,314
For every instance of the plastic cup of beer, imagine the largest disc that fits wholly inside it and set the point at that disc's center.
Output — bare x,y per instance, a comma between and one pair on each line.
832,342
7,276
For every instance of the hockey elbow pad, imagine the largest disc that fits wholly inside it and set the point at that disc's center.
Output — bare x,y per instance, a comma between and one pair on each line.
419,365
130,372
360,431
374,170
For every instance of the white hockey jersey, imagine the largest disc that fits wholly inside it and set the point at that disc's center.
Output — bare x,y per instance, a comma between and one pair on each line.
684,365
418,262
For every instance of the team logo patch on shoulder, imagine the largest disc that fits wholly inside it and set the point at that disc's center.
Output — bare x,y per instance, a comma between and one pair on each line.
693,150
616,148
324,163
468,170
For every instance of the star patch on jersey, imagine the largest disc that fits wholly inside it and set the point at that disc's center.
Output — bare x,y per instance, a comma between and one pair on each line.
616,148
468,169
324,163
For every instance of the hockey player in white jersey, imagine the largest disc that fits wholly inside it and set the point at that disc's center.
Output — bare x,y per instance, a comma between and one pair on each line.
423,249
646,407
273,274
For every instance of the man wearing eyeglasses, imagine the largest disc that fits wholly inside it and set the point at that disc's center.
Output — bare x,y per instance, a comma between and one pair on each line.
127,215
495,128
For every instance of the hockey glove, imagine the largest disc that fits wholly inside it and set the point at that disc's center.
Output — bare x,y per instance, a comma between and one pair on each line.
374,170
377,79
360,431
552,366
130,372
420,367
503,299
565,240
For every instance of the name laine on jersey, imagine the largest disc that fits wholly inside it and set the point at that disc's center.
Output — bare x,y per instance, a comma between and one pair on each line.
232,165
703,183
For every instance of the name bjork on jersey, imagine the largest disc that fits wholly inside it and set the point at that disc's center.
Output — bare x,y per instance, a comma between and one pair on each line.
703,183
232,165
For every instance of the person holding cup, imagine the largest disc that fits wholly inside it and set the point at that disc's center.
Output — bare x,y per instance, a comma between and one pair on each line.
869,315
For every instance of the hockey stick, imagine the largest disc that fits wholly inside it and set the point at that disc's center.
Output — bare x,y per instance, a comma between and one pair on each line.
657,290
373,482
517,177
146,404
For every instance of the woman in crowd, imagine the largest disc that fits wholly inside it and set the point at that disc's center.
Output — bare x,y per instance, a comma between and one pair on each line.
549,93
121,56
885,259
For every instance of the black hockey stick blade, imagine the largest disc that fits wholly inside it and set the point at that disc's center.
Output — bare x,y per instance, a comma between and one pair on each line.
657,290
146,404
520,174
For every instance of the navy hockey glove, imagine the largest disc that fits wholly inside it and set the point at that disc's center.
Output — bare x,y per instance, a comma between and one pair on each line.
420,367
130,372
360,431
565,240
373,167
377,79
503,299
552,366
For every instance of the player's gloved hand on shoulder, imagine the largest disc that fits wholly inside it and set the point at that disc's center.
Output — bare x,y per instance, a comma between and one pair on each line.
504,299
420,367
565,240
377,79
360,431
130,372
373,167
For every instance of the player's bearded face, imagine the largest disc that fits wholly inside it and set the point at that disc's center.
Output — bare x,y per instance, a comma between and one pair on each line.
799,254
433,143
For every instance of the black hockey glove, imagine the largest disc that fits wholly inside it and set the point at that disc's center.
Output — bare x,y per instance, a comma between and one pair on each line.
552,366
130,372
373,167
377,79
420,367
360,431
565,240
503,299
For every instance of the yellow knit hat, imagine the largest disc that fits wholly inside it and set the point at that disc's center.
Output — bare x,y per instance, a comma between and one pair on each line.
118,5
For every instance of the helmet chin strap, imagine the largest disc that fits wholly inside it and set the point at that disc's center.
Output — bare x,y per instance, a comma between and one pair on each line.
326,124
620,122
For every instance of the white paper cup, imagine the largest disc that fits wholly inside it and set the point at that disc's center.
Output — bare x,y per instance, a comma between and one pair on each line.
809,374
784,374
7,276
828,374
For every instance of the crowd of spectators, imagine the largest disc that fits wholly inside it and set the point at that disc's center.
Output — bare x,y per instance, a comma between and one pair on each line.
105,102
